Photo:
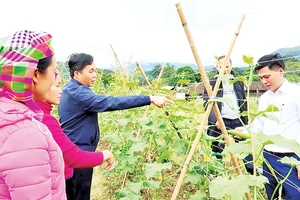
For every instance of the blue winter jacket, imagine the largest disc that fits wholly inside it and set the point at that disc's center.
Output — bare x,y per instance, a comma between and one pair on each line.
78,112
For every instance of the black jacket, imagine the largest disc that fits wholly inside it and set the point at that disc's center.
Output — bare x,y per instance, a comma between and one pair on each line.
240,93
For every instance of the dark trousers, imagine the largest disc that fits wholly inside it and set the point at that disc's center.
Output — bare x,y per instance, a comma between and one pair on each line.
79,186
218,147
291,187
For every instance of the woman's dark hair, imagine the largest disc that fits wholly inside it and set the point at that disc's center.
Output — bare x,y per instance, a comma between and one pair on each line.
271,61
77,61
43,64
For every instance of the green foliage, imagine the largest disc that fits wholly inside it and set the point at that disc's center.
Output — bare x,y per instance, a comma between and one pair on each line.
291,161
151,144
168,72
152,168
185,73
107,77
292,71
281,141
63,69
221,186
198,195
171,76
240,134
153,158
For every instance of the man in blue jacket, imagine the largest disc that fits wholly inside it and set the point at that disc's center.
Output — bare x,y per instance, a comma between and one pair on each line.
78,112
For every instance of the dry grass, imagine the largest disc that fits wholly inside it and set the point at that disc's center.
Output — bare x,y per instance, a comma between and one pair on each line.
97,187
97,192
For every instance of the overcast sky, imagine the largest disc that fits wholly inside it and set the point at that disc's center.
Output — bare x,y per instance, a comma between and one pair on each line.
151,31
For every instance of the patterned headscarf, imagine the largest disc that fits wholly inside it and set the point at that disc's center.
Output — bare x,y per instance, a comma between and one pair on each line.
19,57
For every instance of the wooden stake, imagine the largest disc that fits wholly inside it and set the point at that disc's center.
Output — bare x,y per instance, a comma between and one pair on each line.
114,69
160,74
146,112
133,73
117,60
210,105
65,70
101,74
139,129
144,75
128,63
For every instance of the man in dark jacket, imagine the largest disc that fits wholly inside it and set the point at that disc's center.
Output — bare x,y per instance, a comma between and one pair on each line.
78,112
231,108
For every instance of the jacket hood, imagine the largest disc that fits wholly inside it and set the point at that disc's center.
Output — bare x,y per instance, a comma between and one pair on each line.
20,54
12,112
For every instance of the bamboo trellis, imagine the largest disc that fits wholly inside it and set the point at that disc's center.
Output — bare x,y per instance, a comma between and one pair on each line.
118,64
210,104
150,85
144,75
64,69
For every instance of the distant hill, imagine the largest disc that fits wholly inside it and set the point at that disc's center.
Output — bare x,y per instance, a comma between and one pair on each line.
289,52
150,66
147,66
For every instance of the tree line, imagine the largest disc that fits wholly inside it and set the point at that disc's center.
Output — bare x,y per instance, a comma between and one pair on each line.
181,75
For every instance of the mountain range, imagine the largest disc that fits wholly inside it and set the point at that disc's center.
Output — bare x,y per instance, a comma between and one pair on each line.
289,52
285,52
149,66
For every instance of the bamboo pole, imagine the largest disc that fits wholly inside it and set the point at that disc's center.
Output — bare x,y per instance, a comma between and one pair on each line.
210,105
144,75
101,74
146,112
139,129
133,73
64,68
117,60
128,63
160,74
114,69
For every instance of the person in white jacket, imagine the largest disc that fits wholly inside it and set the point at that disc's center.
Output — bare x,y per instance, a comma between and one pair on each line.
286,97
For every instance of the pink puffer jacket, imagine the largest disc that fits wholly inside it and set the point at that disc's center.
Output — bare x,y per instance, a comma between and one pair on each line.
31,163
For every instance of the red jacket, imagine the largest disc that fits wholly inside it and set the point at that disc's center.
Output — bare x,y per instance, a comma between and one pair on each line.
73,156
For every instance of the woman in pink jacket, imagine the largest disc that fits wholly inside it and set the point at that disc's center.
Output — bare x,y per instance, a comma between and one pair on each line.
31,163
73,156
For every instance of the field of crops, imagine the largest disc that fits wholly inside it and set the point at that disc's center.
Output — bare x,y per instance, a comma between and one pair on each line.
151,145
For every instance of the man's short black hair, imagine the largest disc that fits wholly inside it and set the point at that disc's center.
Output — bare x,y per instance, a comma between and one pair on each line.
77,61
271,61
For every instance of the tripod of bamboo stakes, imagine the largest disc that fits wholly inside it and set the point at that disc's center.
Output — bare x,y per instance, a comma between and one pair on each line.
211,105
150,86
118,64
